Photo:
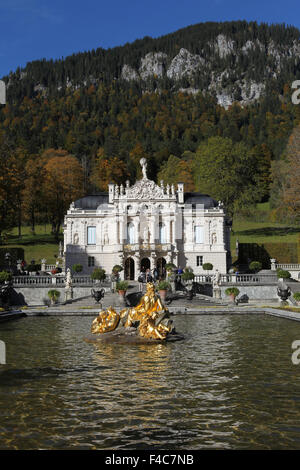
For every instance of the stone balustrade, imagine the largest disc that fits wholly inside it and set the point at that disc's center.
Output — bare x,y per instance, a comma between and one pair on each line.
51,280
241,279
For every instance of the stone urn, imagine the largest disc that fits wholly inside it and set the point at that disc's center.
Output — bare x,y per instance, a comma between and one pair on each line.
163,294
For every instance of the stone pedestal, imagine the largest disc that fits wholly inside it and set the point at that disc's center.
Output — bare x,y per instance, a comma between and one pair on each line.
121,302
273,264
216,293
43,265
68,293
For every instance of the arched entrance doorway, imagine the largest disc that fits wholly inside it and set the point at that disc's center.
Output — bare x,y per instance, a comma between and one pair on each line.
161,263
145,264
129,269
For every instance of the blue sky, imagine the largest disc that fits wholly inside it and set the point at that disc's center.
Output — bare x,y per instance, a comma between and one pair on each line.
33,29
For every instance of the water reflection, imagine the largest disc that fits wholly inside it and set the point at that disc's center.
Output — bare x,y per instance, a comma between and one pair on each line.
230,384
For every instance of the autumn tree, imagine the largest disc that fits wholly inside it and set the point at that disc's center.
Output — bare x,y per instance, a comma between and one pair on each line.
291,187
177,170
63,184
9,185
33,194
108,170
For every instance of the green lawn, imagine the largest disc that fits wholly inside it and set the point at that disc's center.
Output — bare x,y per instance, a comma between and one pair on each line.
40,245
257,229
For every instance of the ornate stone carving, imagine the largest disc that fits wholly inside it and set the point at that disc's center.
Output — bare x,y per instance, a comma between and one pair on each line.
145,189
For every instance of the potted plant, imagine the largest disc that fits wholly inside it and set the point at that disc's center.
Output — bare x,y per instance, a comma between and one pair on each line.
77,268
122,287
170,267
282,274
53,295
207,267
296,296
187,276
98,274
163,287
117,269
255,266
5,277
233,292
115,273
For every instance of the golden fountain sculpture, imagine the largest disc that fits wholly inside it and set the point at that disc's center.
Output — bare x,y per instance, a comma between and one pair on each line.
149,319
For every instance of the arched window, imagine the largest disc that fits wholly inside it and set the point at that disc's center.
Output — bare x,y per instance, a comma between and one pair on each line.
130,233
162,233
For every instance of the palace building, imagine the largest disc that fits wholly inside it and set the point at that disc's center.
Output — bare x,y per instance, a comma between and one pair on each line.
146,226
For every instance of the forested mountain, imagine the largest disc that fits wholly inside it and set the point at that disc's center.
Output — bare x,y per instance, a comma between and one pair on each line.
164,99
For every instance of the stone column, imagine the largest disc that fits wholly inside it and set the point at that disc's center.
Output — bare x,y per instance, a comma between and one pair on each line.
137,265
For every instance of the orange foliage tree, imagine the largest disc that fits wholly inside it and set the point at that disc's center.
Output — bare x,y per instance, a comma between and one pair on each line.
291,188
63,183
11,180
108,170
177,170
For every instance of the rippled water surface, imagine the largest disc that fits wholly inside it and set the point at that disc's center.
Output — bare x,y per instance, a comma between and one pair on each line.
231,385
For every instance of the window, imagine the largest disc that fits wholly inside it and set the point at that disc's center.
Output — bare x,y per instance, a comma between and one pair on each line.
91,235
198,234
199,261
130,233
91,261
162,233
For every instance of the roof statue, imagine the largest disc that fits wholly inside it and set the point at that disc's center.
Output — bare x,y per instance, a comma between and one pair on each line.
143,163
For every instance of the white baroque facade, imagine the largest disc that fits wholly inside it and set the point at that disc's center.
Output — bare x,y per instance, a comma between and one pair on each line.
146,226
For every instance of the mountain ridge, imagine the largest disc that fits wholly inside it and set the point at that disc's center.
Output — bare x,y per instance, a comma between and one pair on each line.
232,61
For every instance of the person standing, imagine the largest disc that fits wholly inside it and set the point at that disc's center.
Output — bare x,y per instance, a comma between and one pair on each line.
148,276
141,279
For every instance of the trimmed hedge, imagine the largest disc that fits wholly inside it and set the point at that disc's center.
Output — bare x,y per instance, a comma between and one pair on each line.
284,253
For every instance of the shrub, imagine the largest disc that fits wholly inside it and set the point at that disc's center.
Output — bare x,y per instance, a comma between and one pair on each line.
77,268
53,295
170,266
122,285
232,291
98,274
164,285
281,273
33,268
117,269
187,276
5,277
207,266
255,266
296,296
